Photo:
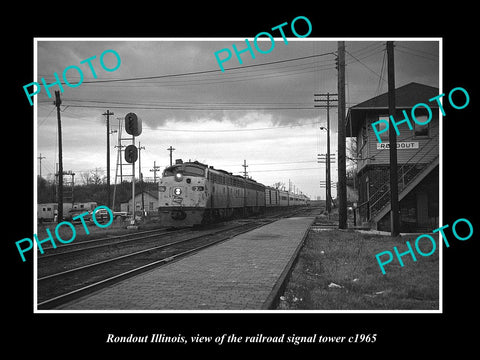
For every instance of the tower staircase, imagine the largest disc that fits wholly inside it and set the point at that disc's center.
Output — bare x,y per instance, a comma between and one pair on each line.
410,174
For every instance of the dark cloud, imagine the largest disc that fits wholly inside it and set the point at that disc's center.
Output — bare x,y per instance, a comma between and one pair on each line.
277,95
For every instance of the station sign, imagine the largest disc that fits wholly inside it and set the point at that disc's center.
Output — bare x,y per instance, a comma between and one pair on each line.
404,145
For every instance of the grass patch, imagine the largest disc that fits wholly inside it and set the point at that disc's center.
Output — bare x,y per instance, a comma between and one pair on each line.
337,270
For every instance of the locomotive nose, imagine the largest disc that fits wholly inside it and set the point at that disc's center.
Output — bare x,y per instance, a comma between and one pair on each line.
179,215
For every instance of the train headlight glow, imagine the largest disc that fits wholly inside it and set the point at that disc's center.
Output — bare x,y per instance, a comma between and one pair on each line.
178,176
177,191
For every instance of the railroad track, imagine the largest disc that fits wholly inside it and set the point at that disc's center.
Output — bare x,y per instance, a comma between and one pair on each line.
80,244
60,287
73,255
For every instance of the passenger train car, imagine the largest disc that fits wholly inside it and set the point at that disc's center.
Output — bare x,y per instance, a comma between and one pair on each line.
193,193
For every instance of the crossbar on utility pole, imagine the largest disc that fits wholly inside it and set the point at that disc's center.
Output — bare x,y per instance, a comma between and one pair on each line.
392,137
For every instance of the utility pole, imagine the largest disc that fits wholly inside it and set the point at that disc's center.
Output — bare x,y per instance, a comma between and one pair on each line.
155,169
140,175
392,137
58,102
244,187
322,158
289,189
171,150
119,161
108,113
40,158
328,189
119,151
342,167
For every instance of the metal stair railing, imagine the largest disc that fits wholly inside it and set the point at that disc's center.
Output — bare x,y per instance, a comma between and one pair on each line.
380,200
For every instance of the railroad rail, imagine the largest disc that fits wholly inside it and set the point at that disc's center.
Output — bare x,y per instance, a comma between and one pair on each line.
58,288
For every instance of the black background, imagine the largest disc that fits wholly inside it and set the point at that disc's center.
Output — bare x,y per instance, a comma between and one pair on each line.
61,335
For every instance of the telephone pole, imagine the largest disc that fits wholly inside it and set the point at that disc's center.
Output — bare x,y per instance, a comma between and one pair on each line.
342,167
171,150
155,169
322,159
392,137
40,158
140,175
108,113
328,189
245,187
58,102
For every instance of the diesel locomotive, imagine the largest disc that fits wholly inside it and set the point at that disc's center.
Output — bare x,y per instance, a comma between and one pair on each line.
192,193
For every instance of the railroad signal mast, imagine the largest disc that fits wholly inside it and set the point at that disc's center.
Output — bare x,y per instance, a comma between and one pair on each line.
133,127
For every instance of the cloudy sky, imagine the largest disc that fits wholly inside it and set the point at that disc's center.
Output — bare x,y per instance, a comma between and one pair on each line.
262,111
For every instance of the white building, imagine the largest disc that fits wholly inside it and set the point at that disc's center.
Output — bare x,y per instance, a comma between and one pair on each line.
148,199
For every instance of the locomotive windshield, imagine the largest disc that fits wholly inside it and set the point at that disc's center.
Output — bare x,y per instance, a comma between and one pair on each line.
194,170
186,170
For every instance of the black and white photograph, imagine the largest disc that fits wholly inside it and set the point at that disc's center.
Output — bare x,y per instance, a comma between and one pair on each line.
222,180
232,181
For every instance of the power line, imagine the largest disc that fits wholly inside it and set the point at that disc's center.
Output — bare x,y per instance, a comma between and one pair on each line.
192,108
296,169
432,55
204,71
172,105
372,71
216,80
379,86
285,163
268,163
166,103
418,55
235,130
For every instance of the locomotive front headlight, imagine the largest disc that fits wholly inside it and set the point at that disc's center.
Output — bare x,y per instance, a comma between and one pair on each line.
177,191
178,176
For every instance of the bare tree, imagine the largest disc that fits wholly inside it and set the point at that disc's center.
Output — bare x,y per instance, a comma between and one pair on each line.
278,185
86,178
352,155
97,177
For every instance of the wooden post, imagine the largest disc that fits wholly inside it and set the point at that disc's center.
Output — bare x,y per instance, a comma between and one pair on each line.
394,217
342,171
